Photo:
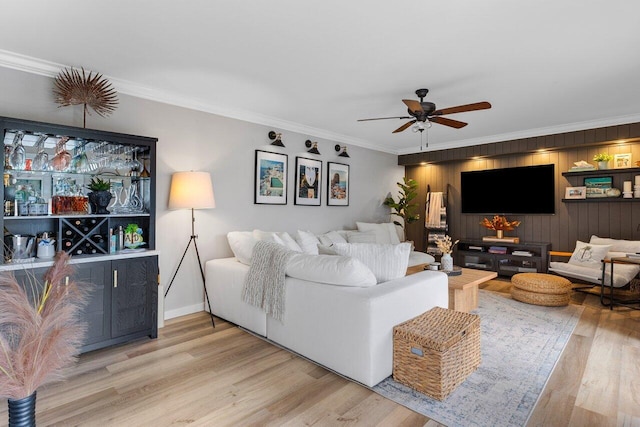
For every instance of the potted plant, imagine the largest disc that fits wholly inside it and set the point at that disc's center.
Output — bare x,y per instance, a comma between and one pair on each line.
404,208
40,334
100,196
603,160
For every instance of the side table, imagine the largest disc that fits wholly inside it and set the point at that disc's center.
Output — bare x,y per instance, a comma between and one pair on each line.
612,301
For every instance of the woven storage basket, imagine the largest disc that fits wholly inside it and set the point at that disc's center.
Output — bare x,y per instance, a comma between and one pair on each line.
542,283
536,298
436,351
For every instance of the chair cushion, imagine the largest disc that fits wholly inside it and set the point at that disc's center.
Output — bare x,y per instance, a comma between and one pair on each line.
617,245
623,273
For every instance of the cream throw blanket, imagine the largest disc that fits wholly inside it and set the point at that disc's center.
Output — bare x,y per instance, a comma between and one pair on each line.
264,284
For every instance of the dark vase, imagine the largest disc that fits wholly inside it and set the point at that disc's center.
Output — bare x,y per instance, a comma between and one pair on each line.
99,200
22,412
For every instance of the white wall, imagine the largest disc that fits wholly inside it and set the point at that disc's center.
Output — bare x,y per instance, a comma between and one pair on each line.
192,140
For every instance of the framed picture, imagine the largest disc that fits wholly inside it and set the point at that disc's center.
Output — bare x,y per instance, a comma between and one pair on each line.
622,160
597,187
337,184
575,193
308,175
270,178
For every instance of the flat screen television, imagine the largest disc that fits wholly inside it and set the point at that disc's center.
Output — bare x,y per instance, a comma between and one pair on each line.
519,190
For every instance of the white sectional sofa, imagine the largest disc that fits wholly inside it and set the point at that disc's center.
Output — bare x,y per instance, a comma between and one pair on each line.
338,312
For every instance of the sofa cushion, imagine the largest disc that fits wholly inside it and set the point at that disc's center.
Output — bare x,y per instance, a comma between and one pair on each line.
242,243
589,255
330,269
308,242
385,232
387,262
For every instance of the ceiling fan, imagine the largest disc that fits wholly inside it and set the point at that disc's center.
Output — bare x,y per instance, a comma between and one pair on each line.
425,111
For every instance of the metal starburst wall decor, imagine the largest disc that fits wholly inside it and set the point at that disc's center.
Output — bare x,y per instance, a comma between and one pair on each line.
73,87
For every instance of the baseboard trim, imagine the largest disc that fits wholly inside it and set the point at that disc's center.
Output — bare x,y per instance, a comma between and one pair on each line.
183,311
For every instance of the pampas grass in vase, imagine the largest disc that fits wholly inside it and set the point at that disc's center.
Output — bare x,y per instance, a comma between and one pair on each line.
40,329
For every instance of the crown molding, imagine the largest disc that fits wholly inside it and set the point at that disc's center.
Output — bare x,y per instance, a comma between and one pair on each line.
42,67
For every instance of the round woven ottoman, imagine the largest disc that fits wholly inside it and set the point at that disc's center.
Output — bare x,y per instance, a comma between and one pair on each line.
541,289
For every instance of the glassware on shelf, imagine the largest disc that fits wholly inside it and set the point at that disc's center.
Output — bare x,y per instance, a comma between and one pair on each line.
62,160
41,159
18,157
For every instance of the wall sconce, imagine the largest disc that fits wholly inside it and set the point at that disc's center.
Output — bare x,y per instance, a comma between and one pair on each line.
344,151
313,149
276,138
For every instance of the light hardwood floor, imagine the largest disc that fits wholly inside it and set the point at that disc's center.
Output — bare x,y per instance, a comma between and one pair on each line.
195,375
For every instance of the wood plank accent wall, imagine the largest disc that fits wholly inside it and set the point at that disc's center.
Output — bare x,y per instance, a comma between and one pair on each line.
572,221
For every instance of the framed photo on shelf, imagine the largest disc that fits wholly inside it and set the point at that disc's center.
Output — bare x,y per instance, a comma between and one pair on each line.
597,187
308,176
270,178
575,193
622,160
337,184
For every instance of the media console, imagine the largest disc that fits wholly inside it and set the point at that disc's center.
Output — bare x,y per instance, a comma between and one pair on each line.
504,258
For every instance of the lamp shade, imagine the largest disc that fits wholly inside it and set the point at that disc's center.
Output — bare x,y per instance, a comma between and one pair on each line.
191,190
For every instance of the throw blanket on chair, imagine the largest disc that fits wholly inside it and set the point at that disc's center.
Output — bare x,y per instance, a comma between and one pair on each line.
264,284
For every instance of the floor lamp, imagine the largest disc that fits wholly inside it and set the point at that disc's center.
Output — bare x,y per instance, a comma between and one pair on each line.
192,190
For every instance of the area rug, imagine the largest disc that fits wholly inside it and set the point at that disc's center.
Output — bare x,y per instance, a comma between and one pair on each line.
521,344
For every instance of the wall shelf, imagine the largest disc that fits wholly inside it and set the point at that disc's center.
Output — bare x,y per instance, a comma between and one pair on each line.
601,172
601,200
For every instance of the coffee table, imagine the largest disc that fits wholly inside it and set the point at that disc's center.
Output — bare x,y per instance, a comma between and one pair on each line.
463,288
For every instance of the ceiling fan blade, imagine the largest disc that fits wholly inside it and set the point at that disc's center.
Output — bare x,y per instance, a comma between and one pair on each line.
448,122
384,118
413,105
404,126
462,108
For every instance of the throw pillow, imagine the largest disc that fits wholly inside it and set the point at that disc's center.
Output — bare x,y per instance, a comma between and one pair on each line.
589,255
289,242
361,237
333,270
385,232
326,250
242,243
330,238
308,242
387,262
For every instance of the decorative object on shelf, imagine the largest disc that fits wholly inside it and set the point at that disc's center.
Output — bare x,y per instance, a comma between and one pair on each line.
575,193
92,90
40,335
133,237
598,186
613,192
270,180
404,207
582,166
500,225
313,147
192,190
308,176
276,138
626,190
41,159
342,150
100,196
446,247
622,160
337,184
603,160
